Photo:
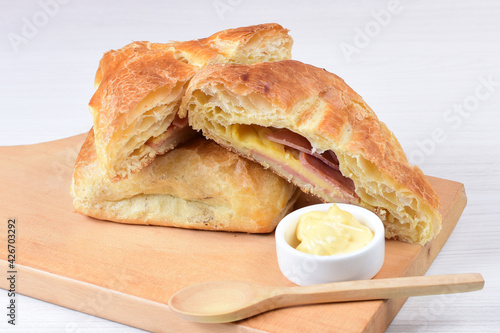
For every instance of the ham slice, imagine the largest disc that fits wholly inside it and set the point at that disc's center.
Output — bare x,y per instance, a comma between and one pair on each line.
325,164
293,140
329,158
290,139
333,176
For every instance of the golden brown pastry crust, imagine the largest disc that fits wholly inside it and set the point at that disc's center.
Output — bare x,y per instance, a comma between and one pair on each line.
321,107
146,79
226,45
198,185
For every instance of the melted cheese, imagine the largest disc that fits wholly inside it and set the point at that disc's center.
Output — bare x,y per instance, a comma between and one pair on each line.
252,141
255,138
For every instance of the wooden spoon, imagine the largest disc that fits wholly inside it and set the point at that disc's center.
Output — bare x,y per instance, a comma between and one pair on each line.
226,301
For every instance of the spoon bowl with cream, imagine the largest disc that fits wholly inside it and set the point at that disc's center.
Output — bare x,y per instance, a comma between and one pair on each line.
330,243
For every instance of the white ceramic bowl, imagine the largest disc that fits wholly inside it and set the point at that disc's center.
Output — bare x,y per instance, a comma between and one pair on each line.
307,269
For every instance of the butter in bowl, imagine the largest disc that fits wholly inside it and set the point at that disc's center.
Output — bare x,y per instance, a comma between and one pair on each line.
326,243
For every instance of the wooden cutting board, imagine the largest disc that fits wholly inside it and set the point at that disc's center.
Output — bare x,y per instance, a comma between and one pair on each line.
127,273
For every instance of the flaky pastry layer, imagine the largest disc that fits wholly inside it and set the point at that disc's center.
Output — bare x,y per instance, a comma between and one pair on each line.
139,88
198,185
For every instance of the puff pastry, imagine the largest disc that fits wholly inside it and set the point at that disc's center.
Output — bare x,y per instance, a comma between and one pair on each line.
310,127
139,89
198,185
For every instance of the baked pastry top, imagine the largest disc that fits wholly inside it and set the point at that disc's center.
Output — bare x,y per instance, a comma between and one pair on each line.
310,127
139,88
198,185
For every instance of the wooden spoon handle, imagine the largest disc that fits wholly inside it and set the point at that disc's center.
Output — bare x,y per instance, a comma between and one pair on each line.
383,289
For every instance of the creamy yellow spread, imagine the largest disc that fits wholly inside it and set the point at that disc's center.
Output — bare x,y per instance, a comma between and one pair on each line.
332,232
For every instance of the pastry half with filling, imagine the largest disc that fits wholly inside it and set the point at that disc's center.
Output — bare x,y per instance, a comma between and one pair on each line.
311,128
198,185
139,89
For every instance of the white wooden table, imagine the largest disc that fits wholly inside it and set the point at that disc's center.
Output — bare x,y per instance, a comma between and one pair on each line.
429,69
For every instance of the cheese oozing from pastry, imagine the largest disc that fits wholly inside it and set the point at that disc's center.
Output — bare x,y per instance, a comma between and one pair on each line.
294,164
